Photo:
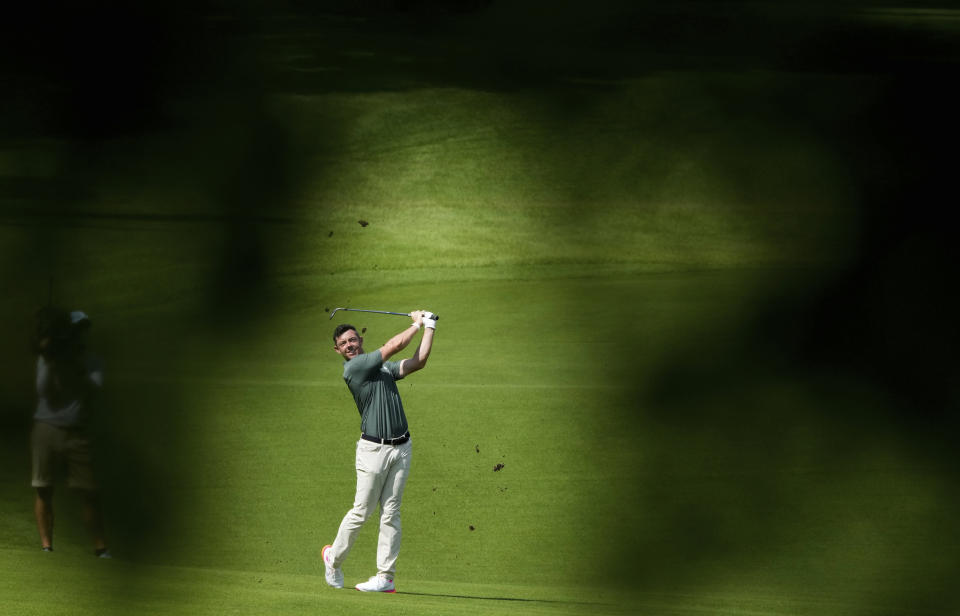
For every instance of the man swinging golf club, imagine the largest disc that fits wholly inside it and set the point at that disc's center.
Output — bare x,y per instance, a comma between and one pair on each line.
383,451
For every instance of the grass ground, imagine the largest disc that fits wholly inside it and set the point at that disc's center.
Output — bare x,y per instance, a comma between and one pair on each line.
625,272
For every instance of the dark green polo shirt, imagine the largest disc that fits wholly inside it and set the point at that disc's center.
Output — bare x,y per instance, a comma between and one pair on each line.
372,382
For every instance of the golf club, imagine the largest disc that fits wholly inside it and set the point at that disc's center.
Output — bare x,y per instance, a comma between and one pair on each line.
400,314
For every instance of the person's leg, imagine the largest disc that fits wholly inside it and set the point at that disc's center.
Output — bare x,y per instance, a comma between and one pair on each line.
43,509
45,443
369,485
80,477
388,546
93,518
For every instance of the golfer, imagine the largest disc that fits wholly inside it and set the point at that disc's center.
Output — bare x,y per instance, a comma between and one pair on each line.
383,451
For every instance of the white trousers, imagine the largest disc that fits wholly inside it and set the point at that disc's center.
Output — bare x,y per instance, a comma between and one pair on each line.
382,472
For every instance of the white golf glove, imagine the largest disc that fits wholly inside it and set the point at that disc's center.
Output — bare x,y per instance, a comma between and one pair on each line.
429,319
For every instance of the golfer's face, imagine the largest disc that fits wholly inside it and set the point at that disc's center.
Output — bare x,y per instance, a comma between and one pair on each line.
349,344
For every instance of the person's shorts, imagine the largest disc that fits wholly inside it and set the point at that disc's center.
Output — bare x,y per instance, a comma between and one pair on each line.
53,449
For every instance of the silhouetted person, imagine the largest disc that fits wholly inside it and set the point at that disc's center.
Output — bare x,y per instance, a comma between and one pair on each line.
67,379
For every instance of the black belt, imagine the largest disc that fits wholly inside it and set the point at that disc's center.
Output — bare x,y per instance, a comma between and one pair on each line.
400,440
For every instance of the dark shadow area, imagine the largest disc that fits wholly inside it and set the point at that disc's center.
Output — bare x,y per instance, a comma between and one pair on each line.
136,142
533,44
816,440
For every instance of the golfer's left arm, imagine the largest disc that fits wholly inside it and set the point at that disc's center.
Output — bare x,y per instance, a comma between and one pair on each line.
419,359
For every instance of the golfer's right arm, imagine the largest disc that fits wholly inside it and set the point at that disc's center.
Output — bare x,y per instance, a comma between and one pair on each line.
419,359
401,340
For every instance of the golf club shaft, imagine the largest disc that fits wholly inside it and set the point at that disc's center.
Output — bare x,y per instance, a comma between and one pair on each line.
400,314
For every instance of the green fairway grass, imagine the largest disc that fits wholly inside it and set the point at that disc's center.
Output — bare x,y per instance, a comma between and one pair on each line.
619,415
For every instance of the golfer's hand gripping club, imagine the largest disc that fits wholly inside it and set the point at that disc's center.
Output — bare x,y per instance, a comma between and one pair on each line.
428,319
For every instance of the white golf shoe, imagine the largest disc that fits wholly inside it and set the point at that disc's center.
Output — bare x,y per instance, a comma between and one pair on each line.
378,583
333,574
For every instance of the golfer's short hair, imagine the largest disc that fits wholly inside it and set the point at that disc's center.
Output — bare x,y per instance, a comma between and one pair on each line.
340,329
